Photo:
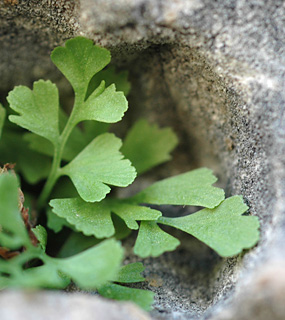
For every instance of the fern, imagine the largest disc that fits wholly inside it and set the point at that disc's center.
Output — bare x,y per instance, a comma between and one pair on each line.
95,160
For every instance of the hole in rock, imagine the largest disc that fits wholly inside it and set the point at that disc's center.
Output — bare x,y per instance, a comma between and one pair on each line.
174,86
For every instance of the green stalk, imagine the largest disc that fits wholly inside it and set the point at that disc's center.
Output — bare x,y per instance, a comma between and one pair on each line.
58,151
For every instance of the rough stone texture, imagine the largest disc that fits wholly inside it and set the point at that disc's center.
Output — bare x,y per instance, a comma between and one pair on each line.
214,70
264,298
33,305
28,32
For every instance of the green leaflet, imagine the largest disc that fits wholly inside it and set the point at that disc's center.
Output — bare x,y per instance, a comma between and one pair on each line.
121,229
74,145
110,76
13,234
41,234
90,218
99,164
92,129
80,138
35,167
105,106
46,276
224,228
130,273
152,241
95,218
76,243
190,188
79,60
2,118
142,298
77,141
40,144
211,226
144,151
38,109
14,149
147,146
102,262
55,222
131,213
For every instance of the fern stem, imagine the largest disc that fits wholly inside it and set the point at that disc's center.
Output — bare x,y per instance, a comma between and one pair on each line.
52,178
58,151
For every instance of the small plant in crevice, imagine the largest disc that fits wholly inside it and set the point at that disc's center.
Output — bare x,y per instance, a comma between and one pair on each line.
80,147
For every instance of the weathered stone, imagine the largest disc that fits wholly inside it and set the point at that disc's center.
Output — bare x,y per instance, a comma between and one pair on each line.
50,305
28,32
215,72
262,299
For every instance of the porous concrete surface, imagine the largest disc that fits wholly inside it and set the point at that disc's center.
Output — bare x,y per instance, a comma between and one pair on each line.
213,70
49,305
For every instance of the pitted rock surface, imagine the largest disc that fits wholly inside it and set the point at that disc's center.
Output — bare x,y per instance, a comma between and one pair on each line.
215,72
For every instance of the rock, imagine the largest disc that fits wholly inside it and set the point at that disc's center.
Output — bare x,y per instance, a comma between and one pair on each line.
263,298
49,305
28,32
215,72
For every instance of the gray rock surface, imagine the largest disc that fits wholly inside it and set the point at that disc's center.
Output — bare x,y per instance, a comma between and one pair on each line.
213,70
49,305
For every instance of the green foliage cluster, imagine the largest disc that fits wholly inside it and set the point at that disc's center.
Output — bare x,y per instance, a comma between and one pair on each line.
94,160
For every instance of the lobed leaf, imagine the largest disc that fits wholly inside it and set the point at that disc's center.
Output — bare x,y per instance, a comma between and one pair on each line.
89,269
102,262
39,144
41,234
2,118
131,213
147,146
46,276
78,139
224,228
92,129
121,229
142,298
89,218
99,164
55,222
152,241
75,143
95,218
76,243
106,106
79,61
35,167
4,271
190,188
130,273
110,76
37,108
13,234
14,149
